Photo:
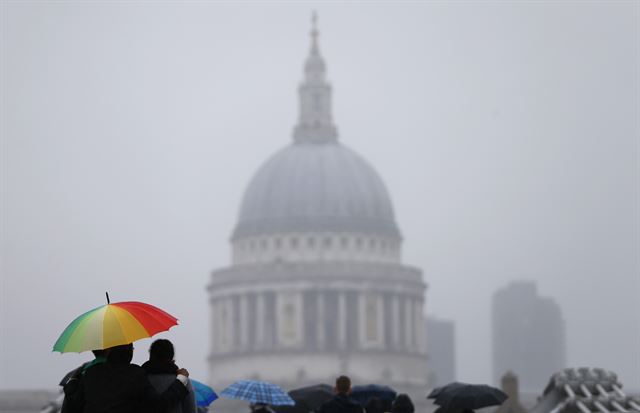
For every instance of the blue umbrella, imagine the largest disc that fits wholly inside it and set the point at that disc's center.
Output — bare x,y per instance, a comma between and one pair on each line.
204,394
254,391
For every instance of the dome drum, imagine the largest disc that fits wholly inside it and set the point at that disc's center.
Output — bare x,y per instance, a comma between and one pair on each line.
316,246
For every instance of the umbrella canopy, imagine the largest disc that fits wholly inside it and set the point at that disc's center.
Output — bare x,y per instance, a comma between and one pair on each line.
362,394
449,387
113,325
312,397
458,396
255,391
204,394
307,398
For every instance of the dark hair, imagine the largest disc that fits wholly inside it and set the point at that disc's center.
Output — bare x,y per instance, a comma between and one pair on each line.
402,404
99,353
374,405
120,354
343,385
161,349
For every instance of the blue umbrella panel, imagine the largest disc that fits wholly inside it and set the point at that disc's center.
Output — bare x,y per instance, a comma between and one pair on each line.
255,391
204,394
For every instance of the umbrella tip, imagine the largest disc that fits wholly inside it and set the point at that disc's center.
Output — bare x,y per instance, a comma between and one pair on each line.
107,294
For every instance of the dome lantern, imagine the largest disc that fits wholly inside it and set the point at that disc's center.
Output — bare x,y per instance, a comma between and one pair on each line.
315,123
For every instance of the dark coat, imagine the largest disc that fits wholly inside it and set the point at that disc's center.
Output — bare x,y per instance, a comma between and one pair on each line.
340,404
161,375
119,388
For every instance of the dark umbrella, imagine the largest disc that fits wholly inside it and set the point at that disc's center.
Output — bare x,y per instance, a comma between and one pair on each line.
307,398
362,394
312,396
449,387
458,396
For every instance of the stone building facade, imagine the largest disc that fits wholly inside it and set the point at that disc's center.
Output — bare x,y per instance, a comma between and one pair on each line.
316,286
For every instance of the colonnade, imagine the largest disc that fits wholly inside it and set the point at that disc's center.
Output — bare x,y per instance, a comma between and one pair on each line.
264,319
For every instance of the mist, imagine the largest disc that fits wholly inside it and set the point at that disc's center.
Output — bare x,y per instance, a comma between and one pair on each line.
505,133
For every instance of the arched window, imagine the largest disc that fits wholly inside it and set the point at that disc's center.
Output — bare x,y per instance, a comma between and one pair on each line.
289,322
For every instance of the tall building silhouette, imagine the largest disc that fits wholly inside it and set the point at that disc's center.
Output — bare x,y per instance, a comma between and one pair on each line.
528,335
441,351
316,286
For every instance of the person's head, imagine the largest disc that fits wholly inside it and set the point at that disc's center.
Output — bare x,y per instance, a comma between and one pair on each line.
161,350
257,407
343,385
374,405
402,404
120,354
99,353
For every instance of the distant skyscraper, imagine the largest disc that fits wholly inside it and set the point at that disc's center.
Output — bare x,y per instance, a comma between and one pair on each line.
528,335
441,359
317,287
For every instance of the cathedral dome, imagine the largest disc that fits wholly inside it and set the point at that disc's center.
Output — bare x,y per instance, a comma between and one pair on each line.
316,186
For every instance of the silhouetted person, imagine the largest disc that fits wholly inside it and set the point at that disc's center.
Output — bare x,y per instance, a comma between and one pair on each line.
341,402
374,405
162,371
402,404
260,408
117,386
99,357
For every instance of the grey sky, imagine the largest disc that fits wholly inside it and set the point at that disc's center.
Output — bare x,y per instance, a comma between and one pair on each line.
506,133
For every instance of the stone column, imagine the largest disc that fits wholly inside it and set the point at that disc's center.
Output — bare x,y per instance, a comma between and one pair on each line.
260,321
418,322
380,321
244,322
408,323
214,327
342,322
320,333
395,316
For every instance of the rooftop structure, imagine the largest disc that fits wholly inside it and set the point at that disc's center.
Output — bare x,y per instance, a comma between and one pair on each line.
585,390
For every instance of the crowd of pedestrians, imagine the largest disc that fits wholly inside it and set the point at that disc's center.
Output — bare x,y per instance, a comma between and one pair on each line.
110,383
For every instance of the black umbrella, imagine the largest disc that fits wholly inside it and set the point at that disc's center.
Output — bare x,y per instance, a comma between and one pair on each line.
362,394
458,396
312,396
307,398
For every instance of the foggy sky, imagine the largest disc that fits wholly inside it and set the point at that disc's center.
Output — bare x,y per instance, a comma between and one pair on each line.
506,133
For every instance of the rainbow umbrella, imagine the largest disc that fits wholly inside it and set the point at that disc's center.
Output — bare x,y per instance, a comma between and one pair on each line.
112,325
